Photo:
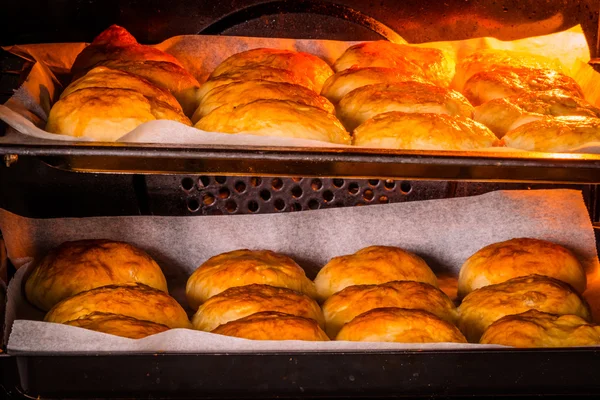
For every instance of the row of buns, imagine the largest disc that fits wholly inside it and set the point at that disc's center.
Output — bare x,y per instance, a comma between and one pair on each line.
376,94
529,287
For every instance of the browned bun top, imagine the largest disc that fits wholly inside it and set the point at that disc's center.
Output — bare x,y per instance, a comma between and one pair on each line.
119,325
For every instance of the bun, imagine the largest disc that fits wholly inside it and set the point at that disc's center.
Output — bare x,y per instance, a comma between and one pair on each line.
399,325
245,267
276,118
135,301
75,267
554,135
418,131
502,261
345,305
241,301
270,325
119,325
484,306
538,329
411,97
372,265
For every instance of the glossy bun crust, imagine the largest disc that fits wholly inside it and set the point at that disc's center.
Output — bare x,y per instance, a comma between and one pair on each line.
399,325
538,329
345,305
75,267
118,325
502,261
484,306
372,265
423,131
270,325
135,301
245,267
241,301
276,118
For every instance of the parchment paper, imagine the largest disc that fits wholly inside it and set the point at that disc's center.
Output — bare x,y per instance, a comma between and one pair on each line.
444,232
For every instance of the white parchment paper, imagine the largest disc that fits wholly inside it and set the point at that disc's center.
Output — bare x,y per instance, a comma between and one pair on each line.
444,232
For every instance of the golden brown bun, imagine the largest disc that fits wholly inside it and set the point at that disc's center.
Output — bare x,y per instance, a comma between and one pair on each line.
511,81
502,261
245,267
271,325
554,135
486,60
303,64
343,82
135,301
241,301
372,265
118,325
506,114
171,77
399,325
420,131
75,267
537,329
238,93
436,65
411,97
343,306
115,43
480,308
276,118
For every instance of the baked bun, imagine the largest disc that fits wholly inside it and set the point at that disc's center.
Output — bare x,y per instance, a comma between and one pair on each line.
75,267
304,64
343,306
245,267
506,114
421,131
511,81
343,82
241,301
135,301
372,265
554,135
238,93
410,97
502,261
271,325
480,308
537,329
436,65
119,325
276,118
399,325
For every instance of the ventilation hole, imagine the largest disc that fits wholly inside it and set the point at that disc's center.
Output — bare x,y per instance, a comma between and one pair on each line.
338,183
327,196
384,199
316,185
297,192
187,183
240,187
279,204
224,193
193,205
353,188
276,183
405,187
253,206
297,179
221,179
368,195
216,211
296,207
255,181
373,182
265,195
360,203
339,204
231,206
313,204
204,181
389,184
208,199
